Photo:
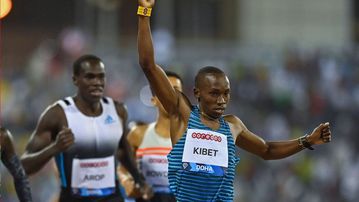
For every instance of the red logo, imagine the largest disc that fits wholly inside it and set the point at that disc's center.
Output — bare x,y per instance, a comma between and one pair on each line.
207,136
94,164
153,160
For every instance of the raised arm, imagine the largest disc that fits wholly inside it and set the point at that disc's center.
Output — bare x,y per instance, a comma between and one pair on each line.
49,139
154,73
270,150
12,163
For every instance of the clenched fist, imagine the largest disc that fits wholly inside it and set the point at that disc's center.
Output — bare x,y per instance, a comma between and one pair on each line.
146,3
64,139
320,135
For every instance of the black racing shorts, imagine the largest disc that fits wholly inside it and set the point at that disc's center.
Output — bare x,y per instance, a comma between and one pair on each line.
66,196
160,197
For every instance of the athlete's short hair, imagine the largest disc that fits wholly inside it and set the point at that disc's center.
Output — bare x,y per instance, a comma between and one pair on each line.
169,74
77,64
204,71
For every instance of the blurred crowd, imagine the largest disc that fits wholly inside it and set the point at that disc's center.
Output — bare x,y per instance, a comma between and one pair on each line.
278,94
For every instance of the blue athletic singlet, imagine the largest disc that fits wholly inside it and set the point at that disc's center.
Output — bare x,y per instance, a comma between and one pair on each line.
197,171
88,168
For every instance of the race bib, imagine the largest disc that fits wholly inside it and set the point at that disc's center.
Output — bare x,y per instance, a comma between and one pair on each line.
155,169
205,151
93,177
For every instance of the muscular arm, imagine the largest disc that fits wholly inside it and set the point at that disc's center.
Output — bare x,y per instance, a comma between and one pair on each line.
174,103
134,138
154,73
269,150
41,147
125,154
12,163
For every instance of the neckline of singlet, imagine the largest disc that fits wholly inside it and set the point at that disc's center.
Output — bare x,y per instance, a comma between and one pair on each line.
72,101
197,114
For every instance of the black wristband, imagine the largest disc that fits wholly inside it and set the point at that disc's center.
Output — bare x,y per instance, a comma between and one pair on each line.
303,141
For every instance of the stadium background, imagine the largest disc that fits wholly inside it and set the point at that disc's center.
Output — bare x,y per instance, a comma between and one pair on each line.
292,64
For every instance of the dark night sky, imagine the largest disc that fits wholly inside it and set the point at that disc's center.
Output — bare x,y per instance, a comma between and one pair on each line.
41,13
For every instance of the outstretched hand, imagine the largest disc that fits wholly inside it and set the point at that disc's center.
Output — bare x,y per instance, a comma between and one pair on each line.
321,134
146,3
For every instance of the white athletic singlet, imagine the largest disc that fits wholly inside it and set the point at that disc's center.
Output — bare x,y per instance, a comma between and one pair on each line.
88,168
152,157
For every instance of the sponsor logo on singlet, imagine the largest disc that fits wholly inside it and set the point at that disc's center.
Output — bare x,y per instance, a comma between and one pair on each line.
109,120
205,151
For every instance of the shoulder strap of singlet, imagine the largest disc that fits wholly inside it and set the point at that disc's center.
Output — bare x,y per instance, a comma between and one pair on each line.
105,100
64,103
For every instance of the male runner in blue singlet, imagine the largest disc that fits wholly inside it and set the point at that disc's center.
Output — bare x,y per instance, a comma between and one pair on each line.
202,161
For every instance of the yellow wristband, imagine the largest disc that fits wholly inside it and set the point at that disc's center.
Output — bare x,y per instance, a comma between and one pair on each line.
144,11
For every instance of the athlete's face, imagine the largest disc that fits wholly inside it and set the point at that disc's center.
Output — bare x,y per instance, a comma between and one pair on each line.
91,80
176,84
213,93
